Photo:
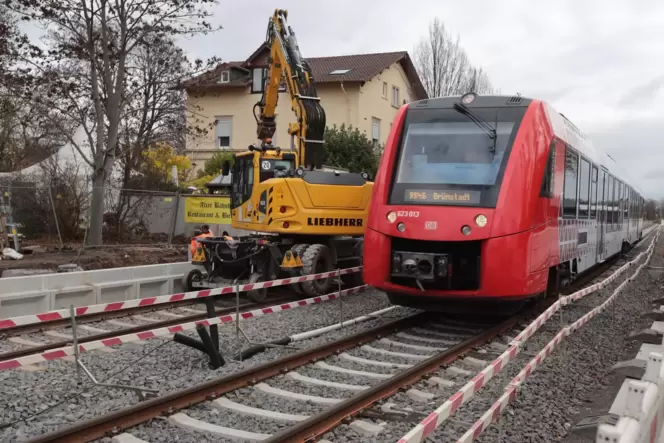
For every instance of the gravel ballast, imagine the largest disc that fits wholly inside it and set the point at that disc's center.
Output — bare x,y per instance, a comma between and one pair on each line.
552,398
168,368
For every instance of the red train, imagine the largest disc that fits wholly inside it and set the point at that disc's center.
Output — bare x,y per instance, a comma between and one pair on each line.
492,198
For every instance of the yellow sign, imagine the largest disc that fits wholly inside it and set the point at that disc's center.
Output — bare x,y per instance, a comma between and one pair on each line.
208,210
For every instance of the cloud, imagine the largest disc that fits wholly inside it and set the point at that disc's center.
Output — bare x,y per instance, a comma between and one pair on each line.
599,62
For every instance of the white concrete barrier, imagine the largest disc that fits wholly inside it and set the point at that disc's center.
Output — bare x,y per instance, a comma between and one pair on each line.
39,293
640,405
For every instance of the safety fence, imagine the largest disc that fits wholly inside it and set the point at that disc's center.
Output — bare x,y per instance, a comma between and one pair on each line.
162,299
441,414
161,332
66,351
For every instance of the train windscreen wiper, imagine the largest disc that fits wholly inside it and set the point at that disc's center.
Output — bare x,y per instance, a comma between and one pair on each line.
484,126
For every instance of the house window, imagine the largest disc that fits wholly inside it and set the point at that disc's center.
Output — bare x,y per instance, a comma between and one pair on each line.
385,90
224,132
375,130
258,76
395,96
225,76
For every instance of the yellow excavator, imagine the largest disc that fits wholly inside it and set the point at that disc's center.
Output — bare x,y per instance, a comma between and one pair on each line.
305,220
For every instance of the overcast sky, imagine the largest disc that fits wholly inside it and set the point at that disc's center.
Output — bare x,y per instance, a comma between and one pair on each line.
601,63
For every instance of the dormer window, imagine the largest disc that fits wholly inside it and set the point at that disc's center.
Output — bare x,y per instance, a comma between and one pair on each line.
225,76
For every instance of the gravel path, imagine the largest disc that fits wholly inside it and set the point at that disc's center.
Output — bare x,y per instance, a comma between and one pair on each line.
167,368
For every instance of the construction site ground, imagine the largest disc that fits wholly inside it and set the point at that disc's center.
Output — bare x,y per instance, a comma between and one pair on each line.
103,257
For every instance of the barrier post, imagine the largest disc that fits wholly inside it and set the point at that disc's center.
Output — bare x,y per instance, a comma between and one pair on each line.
341,302
72,315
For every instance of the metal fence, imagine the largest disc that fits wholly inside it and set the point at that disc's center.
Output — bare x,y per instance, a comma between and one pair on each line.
56,215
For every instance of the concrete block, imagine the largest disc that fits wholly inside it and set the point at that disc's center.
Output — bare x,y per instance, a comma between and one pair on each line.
475,362
126,438
120,290
81,295
455,371
24,272
647,336
23,303
420,396
365,428
440,382
630,368
587,427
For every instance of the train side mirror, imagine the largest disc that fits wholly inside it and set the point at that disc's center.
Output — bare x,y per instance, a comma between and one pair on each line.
225,168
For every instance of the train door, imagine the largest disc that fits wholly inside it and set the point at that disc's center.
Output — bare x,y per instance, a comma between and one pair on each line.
601,215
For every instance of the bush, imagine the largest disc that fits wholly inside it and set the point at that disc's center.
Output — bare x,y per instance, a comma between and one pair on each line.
348,148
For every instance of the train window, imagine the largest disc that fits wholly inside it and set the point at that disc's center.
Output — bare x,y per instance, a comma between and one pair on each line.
614,203
593,194
584,189
626,203
609,201
602,196
621,201
549,172
571,180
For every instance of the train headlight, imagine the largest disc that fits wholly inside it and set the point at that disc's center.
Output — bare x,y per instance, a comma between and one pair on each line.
465,230
392,216
299,172
481,220
401,227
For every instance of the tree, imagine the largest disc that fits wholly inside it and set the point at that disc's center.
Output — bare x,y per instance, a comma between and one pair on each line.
84,73
211,169
444,66
348,148
158,162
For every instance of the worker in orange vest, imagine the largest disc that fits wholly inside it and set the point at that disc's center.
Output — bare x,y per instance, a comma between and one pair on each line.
204,232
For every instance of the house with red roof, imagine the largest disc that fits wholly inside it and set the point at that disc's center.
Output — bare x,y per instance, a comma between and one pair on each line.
362,90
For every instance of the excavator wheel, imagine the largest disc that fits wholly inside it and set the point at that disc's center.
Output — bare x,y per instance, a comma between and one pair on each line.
257,295
315,260
354,279
299,248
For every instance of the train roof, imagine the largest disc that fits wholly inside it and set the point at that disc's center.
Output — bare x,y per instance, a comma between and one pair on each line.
572,135
562,127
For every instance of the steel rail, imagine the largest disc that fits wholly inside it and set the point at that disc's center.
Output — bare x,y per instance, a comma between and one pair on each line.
327,419
125,418
140,328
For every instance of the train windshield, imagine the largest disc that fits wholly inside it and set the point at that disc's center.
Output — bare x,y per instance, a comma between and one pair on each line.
446,158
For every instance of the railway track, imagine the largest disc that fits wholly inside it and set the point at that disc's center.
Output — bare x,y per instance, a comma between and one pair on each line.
367,367
21,341
303,395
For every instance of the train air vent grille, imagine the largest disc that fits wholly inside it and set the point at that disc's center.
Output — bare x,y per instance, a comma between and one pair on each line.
514,100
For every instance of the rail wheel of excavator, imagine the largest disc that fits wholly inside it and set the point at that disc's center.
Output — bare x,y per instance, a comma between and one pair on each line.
315,260
299,249
256,295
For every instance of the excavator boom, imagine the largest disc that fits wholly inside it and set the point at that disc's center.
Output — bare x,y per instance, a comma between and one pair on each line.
286,62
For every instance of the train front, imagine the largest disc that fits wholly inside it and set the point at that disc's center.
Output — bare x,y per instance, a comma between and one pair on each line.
439,225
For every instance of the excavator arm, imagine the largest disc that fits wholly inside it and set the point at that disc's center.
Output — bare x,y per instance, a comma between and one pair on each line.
286,62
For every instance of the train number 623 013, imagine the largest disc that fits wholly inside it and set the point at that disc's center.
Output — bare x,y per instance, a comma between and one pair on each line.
413,214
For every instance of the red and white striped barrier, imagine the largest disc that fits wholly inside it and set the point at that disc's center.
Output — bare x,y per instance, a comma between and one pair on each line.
140,302
468,391
512,389
58,353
